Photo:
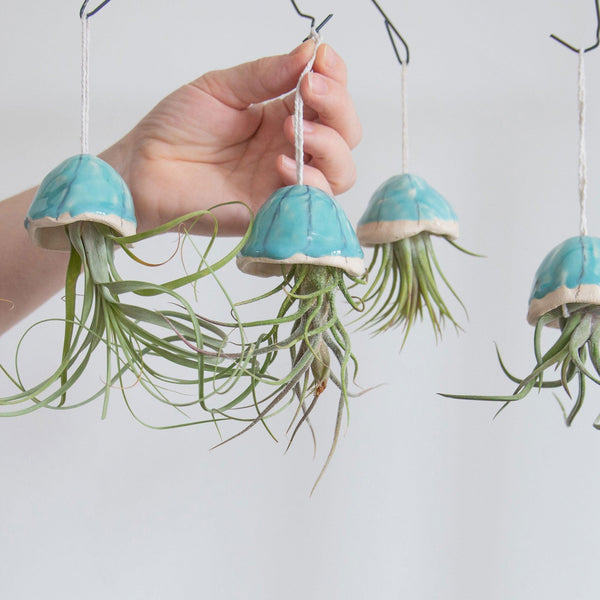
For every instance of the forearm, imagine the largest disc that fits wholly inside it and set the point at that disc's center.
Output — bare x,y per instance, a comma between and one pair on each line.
28,275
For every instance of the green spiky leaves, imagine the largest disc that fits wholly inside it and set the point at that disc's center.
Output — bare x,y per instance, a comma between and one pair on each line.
567,358
405,286
170,351
308,328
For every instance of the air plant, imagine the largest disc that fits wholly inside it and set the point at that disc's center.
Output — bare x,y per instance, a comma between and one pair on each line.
302,234
84,206
565,295
399,221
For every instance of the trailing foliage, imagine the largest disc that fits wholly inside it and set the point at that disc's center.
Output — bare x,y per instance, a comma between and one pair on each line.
319,351
405,286
578,341
139,343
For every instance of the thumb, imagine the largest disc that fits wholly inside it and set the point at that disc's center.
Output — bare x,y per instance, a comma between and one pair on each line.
257,81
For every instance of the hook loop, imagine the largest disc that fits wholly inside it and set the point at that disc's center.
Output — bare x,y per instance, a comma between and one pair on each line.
83,14
318,27
594,46
312,20
392,31
304,15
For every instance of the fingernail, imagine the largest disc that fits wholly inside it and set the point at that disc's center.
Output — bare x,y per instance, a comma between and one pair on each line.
317,83
308,126
330,57
288,163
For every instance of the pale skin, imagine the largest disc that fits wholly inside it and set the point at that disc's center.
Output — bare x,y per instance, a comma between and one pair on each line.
226,136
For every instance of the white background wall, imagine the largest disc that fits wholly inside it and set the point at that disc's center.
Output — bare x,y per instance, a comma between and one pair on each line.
426,497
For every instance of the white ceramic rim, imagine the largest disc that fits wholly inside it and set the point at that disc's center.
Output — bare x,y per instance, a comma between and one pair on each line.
386,232
49,233
268,267
585,293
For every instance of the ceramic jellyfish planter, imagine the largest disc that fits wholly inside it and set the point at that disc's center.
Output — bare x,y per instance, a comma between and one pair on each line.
568,276
85,207
82,188
399,221
303,235
402,207
565,294
301,225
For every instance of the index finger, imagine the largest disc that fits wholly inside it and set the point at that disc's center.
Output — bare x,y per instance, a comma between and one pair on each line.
330,64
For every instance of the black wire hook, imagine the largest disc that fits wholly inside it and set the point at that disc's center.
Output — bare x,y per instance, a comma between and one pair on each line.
391,30
98,8
597,34
312,19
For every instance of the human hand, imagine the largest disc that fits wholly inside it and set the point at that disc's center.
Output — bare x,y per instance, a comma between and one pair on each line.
220,139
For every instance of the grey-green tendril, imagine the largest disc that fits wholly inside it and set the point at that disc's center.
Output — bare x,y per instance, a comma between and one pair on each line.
579,340
318,346
141,343
404,287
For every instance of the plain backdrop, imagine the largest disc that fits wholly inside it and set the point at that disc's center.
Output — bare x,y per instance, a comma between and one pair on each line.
426,498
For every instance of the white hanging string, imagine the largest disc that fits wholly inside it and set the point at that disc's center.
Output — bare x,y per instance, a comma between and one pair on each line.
85,83
404,120
582,155
299,111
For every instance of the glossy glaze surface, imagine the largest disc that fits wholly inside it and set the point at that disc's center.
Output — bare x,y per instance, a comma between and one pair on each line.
82,184
301,220
402,200
573,263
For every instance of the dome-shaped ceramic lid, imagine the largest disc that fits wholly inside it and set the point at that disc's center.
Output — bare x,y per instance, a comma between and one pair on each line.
402,207
570,273
81,188
300,224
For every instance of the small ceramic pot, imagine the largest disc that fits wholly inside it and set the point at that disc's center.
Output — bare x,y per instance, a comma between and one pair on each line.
81,188
569,274
300,224
402,207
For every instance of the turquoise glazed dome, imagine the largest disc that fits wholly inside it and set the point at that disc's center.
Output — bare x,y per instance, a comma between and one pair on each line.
81,188
570,273
300,224
402,207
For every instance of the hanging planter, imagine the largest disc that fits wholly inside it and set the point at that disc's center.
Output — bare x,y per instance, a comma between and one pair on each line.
565,295
398,223
82,188
301,225
84,206
302,234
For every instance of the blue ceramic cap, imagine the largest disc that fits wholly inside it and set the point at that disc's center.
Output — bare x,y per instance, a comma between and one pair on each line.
402,207
300,224
81,188
570,273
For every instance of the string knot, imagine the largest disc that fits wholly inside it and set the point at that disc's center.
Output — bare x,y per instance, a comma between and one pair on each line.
315,35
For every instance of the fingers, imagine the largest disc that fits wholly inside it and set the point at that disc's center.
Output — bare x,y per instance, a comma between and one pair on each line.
331,127
328,63
329,151
259,80
333,106
312,176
